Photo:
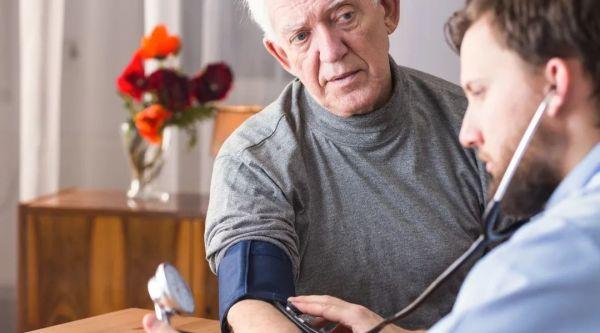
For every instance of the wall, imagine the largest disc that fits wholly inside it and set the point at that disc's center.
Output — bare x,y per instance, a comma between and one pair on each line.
419,40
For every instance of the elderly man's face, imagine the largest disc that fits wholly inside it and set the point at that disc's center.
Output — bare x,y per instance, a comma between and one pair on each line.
337,48
503,93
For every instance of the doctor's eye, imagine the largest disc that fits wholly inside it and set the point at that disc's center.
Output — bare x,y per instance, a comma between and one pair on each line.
480,92
475,91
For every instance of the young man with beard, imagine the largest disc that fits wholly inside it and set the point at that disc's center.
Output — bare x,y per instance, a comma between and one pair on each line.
546,278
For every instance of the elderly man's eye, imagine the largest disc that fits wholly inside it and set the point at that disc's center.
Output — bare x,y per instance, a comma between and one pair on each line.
346,16
299,37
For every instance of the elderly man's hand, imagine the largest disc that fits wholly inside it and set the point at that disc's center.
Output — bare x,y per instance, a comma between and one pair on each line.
153,325
356,318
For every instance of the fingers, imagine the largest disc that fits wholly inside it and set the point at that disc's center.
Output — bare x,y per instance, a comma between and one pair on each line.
328,307
353,316
318,299
153,325
318,322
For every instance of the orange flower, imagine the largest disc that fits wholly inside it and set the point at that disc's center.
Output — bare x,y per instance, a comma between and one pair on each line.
159,44
150,121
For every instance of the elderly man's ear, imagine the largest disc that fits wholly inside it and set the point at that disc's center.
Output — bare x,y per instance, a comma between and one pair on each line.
392,14
278,53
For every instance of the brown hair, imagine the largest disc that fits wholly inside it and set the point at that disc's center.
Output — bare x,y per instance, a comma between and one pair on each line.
538,30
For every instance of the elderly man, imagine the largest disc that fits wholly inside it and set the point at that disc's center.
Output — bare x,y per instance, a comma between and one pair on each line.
547,277
352,183
356,157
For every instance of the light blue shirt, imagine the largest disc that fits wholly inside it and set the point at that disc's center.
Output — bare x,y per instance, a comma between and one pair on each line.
546,278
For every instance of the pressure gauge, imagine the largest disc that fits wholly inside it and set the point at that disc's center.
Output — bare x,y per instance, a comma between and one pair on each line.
170,293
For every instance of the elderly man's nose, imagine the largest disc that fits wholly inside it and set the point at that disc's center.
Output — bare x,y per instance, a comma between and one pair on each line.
331,47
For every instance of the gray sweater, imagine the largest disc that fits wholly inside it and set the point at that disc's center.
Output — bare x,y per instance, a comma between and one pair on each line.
369,208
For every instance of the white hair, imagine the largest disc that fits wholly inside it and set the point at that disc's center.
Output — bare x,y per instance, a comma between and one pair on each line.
260,14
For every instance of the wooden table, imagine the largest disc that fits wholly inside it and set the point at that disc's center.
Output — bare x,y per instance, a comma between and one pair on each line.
87,252
130,320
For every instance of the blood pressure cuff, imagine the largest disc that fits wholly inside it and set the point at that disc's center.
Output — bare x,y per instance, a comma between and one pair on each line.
253,270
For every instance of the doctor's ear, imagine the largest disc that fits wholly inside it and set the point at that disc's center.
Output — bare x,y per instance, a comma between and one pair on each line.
557,74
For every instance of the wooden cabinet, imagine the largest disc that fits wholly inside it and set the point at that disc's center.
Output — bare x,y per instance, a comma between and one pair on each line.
89,252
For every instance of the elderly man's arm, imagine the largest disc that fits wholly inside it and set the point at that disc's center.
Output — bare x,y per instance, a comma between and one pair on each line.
250,316
247,316
251,243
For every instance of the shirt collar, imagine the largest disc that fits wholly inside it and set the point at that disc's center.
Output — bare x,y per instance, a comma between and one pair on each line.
578,177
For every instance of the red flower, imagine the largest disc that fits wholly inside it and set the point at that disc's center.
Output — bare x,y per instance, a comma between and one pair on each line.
150,121
171,89
212,84
132,81
159,44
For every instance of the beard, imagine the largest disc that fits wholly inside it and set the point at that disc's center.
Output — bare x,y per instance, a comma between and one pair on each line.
535,179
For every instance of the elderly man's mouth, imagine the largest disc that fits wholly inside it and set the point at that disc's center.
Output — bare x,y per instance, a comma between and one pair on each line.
343,78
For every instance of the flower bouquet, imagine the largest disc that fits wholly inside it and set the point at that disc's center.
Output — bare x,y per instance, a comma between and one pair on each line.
160,100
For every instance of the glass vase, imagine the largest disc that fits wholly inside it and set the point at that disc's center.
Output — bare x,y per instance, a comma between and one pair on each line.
145,161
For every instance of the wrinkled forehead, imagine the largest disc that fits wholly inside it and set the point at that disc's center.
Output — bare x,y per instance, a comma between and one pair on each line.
290,14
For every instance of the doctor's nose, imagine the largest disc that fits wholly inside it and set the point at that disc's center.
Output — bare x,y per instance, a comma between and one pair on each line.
470,135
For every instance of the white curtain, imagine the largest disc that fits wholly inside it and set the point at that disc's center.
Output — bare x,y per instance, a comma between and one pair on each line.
41,37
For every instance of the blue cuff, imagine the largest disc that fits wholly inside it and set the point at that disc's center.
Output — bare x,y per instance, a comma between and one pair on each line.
253,270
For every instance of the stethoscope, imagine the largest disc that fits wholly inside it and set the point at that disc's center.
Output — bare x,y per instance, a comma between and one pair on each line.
490,235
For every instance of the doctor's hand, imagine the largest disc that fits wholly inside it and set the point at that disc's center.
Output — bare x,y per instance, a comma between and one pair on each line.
354,318
153,325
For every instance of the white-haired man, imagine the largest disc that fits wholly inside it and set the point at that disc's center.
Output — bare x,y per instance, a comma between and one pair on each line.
356,157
